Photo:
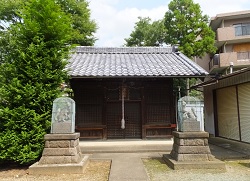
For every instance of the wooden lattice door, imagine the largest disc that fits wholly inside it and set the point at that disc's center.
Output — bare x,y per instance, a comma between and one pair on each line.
132,120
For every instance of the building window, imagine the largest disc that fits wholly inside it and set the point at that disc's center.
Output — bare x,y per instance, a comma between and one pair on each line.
243,55
242,29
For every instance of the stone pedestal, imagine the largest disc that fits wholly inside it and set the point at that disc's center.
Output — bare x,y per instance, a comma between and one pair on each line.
61,154
191,151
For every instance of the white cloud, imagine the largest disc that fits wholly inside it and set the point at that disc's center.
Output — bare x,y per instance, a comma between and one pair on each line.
116,23
214,7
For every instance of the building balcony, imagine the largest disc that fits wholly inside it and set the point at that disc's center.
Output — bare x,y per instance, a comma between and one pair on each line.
221,62
232,35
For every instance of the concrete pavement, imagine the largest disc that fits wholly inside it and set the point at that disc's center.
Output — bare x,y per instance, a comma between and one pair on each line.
126,155
225,149
126,166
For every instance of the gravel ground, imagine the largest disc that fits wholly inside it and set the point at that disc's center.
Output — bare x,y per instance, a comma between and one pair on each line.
236,170
157,170
95,171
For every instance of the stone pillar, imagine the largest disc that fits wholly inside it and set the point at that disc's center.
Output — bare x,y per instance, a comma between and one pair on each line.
191,151
61,155
191,146
61,149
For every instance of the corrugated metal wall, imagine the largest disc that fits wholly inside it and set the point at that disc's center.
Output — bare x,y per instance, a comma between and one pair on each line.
227,107
233,112
227,113
244,111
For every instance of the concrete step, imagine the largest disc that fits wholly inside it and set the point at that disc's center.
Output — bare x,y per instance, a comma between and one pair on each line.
126,146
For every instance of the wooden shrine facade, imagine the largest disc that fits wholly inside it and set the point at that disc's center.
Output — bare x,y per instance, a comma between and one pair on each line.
149,109
131,85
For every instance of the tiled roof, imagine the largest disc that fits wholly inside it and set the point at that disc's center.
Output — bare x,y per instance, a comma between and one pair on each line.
131,61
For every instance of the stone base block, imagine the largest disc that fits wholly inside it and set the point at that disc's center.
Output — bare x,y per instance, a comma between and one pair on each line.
191,149
191,146
191,135
190,126
61,149
62,127
179,165
50,169
191,141
60,159
191,157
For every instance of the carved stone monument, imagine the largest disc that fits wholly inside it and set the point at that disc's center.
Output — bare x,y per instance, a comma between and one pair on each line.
190,149
62,152
63,116
190,114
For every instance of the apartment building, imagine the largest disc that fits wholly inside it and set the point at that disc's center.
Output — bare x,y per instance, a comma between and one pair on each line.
226,97
232,40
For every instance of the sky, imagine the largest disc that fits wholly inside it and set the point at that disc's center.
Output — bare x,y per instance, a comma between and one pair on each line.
116,18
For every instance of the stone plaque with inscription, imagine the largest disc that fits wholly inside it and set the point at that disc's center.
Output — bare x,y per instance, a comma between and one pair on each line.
190,126
63,115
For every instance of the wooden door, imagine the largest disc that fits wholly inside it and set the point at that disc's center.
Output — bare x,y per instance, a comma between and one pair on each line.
133,128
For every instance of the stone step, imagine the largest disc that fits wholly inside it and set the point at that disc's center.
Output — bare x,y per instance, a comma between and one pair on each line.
124,146
179,165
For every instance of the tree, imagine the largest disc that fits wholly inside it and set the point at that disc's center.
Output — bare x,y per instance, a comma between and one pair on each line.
183,25
83,27
187,27
31,73
8,12
147,33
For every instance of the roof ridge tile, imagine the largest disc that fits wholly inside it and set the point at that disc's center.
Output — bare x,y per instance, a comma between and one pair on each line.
122,50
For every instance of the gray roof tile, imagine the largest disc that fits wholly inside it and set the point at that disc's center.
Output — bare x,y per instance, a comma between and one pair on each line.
131,61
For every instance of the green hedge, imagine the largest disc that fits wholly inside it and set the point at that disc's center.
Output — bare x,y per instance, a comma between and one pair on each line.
34,51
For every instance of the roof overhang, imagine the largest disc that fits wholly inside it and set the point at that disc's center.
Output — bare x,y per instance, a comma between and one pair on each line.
136,77
216,21
216,79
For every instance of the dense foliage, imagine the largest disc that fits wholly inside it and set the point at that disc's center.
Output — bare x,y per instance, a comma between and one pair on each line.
183,25
187,27
147,33
33,54
83,27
